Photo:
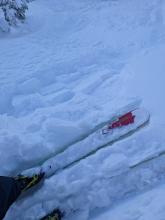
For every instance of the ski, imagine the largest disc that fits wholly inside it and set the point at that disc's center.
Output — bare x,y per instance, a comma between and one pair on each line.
101,123
148,159
124,123
117,129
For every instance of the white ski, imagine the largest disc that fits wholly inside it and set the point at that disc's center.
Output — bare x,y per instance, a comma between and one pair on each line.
114,131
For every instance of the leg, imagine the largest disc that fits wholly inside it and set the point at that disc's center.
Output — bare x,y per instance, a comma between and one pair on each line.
11,188
9,192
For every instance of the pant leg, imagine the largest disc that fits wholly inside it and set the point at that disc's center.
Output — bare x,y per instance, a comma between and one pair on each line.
9,192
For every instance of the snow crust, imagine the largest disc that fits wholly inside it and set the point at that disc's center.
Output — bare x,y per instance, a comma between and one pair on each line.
71,67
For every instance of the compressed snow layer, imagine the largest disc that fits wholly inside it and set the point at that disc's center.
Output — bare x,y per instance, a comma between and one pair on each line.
69,68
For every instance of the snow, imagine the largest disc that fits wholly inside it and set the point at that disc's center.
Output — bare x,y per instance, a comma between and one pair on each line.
148,205
72,66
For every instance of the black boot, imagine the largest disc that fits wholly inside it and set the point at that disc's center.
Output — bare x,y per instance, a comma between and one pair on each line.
55,215
26,182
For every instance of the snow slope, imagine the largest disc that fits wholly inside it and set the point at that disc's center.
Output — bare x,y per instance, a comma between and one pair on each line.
71,66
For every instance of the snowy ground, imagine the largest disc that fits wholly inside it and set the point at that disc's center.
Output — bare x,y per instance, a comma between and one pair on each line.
71,66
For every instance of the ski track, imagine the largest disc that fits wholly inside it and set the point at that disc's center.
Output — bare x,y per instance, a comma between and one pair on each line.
64,74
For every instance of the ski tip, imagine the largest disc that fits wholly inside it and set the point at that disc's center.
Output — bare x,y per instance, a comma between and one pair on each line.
136,116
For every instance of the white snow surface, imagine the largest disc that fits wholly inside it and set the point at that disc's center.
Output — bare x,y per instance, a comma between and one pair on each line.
71,66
